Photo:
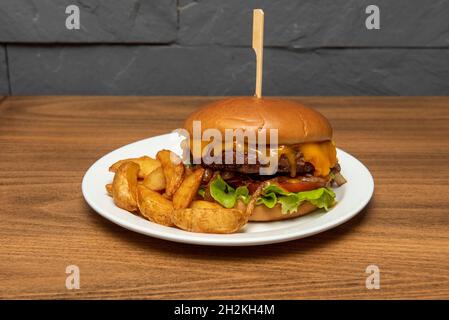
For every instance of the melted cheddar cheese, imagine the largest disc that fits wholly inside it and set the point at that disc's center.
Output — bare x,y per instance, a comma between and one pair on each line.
322,155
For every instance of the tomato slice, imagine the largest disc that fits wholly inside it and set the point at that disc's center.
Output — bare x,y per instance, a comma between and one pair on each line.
295,185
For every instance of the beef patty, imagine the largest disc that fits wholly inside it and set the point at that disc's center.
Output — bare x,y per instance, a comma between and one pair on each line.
302,167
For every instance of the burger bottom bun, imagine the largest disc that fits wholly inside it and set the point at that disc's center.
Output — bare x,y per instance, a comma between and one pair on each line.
262,213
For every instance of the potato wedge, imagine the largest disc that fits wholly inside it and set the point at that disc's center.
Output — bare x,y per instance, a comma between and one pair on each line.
154,206
146,165
188,170
173,171
188,189
124,186
203,204
209,220
109,189
155,180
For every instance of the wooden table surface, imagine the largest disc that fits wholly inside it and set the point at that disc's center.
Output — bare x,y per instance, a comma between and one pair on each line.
47,144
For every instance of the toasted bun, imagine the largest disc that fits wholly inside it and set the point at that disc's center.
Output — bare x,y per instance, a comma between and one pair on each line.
295,122
262,213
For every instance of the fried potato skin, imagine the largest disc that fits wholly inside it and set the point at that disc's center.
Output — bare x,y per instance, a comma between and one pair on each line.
155,180
203,204
146,165
109,189
154,206
173,172
188,189
209,220
163,191
124,186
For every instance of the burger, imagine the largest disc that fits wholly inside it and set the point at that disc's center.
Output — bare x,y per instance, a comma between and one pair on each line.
306,163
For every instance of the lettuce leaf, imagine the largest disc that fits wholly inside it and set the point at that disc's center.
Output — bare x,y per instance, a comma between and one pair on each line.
242,193
226,195
322,197
202,191
290,201
269,200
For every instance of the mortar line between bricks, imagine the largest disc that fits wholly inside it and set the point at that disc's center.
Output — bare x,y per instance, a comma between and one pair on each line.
8,74
178,17
178,45
323,48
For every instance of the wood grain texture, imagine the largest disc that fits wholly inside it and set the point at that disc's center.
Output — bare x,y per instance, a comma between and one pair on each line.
47,143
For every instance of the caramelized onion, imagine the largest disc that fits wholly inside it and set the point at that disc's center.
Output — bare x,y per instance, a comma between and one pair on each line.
339,179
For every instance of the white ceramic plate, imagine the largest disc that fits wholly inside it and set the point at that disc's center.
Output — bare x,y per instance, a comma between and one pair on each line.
352,197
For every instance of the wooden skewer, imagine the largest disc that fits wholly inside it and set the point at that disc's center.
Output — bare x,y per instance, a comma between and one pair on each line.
258,48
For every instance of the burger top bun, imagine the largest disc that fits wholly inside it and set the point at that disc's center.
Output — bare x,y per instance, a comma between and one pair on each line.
295,122
262,213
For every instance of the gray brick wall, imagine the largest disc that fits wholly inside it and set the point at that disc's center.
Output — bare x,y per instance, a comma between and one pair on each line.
184,47
316,23
102,21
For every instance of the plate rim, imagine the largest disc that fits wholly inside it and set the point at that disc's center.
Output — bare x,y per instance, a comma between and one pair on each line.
163,232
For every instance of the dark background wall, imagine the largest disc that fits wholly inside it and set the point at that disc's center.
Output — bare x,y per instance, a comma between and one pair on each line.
184,47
